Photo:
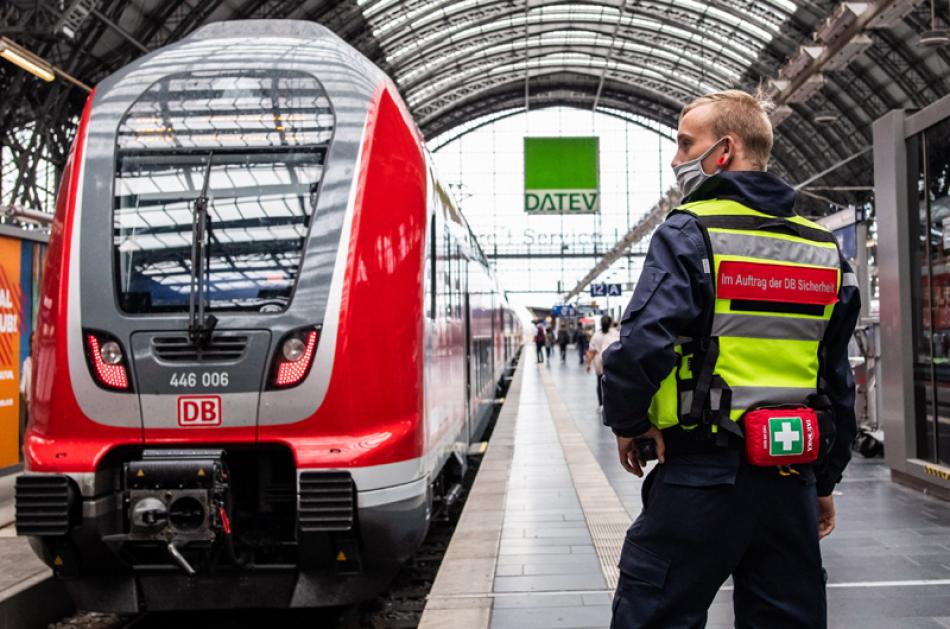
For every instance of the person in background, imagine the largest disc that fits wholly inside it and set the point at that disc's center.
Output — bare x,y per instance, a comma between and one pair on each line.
549,341
562,340
539,339
583,342
26,380
601,340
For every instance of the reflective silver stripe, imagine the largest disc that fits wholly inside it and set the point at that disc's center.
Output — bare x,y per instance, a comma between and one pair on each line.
767,327
747,397
706,266
849,279
747,245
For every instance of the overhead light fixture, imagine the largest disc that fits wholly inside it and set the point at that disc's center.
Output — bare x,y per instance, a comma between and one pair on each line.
825,118
934,39
893,14
780,114
811,86
800,61
849,52
25,60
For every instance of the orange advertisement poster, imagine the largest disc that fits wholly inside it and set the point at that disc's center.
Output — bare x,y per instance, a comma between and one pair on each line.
11,300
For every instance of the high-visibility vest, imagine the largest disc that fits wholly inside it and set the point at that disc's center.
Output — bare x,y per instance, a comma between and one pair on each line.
776,280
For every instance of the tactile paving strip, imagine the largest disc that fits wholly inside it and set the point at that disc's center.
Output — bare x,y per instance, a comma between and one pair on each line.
606,518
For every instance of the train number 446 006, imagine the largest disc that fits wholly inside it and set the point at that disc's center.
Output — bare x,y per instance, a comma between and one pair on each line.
190,379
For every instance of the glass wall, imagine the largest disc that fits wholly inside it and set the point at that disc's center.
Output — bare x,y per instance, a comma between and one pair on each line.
930,160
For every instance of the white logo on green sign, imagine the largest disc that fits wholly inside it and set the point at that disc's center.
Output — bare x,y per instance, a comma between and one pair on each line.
561,176
785,436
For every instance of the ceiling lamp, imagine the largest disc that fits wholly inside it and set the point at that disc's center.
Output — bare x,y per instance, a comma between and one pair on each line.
780,114
25,59
893,14
811,86
934,39
800,61
836,26
825,118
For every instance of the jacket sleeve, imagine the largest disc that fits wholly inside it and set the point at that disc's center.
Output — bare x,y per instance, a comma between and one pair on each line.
666,304
837,380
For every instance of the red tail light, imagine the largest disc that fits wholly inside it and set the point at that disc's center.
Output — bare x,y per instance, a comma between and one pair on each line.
107,362
294,358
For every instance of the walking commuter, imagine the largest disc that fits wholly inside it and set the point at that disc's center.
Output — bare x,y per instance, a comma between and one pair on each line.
599,342
549,341
583,342
539,340
739,326
562,340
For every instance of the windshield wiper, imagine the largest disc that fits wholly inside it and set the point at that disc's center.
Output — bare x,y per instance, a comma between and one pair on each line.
200,327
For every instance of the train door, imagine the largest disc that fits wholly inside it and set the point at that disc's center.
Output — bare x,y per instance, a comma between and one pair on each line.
470,393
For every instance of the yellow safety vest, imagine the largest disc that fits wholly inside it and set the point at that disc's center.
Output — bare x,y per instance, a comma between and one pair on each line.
776,280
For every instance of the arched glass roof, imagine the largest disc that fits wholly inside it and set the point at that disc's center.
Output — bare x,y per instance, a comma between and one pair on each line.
833,66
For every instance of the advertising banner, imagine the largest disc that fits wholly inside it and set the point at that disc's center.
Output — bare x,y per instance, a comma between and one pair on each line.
561,175
11,322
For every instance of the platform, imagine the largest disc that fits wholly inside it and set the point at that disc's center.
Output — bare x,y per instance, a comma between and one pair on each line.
537,544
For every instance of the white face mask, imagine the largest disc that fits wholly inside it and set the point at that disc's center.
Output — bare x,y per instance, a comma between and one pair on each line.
690,175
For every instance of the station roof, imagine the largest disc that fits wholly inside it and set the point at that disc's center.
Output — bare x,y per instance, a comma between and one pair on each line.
835,67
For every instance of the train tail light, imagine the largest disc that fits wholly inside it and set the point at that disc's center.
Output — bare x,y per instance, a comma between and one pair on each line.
107,361
294,358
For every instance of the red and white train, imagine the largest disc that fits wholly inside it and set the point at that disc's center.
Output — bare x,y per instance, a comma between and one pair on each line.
267,336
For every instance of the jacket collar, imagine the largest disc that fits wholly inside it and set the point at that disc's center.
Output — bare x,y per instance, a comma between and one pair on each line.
760,191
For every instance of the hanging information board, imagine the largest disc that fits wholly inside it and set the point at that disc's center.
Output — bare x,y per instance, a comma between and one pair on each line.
561,175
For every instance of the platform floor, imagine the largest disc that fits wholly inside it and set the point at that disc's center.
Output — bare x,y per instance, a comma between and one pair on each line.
555,503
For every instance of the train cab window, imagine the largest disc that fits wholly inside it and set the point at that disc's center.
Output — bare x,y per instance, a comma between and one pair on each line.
253,144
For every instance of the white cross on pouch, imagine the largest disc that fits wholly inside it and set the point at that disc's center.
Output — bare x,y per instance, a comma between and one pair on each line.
787,436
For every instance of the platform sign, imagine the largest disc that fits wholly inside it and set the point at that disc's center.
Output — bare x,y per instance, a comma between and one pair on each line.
606,290
562,175
11,321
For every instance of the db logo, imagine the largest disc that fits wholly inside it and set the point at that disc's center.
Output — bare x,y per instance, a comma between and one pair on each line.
199,410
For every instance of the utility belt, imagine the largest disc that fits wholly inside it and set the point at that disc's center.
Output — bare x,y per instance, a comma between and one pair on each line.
771,436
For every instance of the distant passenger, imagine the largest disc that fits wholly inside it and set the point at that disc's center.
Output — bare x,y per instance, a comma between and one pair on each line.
562,341
732,369
539,340
583,342
26,380
549,341
601,340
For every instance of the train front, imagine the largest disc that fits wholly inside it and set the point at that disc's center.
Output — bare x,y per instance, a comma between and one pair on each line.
219,420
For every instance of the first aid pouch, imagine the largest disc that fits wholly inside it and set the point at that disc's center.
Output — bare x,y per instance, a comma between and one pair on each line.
781,436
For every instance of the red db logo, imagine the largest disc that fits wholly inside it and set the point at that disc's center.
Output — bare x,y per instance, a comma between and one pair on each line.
199,410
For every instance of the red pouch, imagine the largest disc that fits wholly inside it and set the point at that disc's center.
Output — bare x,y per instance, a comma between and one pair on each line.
781,436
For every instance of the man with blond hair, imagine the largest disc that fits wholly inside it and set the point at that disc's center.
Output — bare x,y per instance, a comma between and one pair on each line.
732,370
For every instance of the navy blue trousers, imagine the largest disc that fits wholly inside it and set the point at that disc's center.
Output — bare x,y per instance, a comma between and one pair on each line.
708,517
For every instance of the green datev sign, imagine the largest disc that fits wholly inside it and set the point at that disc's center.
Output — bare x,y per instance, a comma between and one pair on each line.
561,176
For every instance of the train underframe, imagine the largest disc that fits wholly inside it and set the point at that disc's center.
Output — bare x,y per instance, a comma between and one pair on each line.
222,527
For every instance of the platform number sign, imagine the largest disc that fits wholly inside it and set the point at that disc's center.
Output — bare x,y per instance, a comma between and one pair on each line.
606,290
562,175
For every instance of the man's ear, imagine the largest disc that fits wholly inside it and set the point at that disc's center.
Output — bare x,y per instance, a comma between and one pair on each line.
728,152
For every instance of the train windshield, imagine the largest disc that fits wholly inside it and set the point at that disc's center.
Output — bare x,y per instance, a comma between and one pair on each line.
266,134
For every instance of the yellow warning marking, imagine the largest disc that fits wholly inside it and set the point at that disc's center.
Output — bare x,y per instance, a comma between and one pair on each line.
140,473
341,556
937,472
201,471
57,561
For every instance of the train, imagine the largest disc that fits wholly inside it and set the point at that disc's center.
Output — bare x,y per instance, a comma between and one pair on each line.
267,338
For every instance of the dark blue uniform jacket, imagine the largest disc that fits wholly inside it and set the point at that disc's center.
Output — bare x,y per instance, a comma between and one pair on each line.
669,302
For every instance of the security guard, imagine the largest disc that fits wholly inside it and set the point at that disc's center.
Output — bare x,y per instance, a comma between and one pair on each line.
743,309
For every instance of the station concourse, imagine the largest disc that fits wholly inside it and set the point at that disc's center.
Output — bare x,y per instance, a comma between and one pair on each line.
318,313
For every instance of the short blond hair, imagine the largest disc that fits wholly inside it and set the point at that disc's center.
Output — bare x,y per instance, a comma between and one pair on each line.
743,114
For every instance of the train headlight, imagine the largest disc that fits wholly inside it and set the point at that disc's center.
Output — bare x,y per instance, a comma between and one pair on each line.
294,349
107,361
111,353
292,363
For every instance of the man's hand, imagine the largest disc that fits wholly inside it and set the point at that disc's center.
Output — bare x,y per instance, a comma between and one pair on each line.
628,451
826,516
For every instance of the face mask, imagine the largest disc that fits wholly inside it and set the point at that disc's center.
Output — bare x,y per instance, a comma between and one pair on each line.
690,175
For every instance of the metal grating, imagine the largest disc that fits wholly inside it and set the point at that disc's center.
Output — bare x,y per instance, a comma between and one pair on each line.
179,348
327,502
42,505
